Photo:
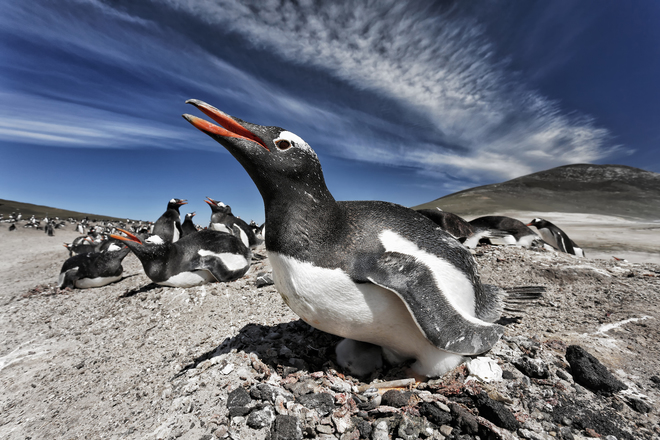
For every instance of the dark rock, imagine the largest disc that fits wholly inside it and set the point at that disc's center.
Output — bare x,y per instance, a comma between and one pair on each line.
565,433
238,411
396,399
238,397
286,428
363,427
590,373
656,381
506,374
603,422
321,402
464,419
533,368
268,393
496,412
638,405
261,418
434,414
264,279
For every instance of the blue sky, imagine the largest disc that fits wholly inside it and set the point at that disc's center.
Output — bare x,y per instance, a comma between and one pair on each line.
403,101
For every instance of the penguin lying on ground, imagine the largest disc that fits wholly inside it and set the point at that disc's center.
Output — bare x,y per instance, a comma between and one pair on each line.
556,237
168,225
94,269
514,231
459,228
222,219
373,272
199,258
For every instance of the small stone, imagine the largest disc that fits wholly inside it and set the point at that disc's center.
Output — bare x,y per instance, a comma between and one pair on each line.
300,388
496,412
324,429
221,432
464,419
264,279
565,433
238,397
363,427
238,411
261,418
323,403
564,375
590,373
380,431
533,368
342,424
286,428
434,414
446,430
410,428
638,405
227,369
396,399
506,374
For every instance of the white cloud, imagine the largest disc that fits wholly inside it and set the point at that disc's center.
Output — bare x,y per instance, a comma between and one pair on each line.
438,64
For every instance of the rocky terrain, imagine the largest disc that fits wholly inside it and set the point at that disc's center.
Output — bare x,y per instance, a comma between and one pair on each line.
613,190
134,360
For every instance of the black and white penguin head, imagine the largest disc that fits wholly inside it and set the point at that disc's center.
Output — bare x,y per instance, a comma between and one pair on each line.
190,215
218,206
272,156
538,223
175,203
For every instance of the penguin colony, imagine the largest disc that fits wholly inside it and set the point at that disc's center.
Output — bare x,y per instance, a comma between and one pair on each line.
386,278
397,284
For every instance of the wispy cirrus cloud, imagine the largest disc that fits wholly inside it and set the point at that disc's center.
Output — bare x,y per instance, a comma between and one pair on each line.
438,64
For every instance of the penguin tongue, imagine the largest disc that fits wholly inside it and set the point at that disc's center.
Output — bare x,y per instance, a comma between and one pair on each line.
231,127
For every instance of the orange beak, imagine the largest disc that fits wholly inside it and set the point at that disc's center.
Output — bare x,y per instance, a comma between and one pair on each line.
129,237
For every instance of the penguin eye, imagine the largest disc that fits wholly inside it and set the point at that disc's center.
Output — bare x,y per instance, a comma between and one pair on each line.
283,144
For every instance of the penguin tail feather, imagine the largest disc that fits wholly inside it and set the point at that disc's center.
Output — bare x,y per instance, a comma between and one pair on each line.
519,298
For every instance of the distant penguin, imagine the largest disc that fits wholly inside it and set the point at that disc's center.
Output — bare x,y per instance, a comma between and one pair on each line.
516,232
93,269
12,227
168,226
459,228
188,227
557,238
202,257
372,272
222,220
49,229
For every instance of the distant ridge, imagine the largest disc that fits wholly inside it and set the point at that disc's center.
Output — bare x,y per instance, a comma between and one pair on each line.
40,211
617,190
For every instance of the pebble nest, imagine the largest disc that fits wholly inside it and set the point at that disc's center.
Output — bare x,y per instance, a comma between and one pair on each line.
140,361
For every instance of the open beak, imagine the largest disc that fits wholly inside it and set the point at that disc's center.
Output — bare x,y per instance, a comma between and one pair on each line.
182,202
230,128
129,237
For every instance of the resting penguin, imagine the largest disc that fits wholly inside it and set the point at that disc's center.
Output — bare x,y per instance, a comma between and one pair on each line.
516,232
199,258
459,228
168,225
94,269
554,236
222,219
369,271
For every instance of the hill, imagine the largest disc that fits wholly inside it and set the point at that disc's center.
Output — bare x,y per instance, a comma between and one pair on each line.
616,190
40,211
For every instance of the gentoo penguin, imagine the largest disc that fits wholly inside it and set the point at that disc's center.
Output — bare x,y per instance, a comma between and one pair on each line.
202,257
222,219
517,233
168,225
372,272
12,227
459,228
188,227
94,269
554,236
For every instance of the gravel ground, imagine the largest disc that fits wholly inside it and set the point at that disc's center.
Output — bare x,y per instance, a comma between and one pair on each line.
139,361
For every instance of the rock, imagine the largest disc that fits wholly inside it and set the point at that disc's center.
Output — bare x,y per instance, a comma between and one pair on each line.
261,418
264,279
286,428
238,397
380,431
638,405
363,427
506,374
496,412
446,430
238,411
300,388
396,399
323,403
534,368
590,373
410,428
464,419
485,368
434,414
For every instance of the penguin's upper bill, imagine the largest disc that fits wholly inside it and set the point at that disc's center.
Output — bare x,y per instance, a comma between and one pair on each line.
232,128
129,237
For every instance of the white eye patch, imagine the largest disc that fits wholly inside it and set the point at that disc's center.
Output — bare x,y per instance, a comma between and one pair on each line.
293,139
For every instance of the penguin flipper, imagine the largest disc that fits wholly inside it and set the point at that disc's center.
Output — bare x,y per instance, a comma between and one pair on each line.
225,266
443,325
